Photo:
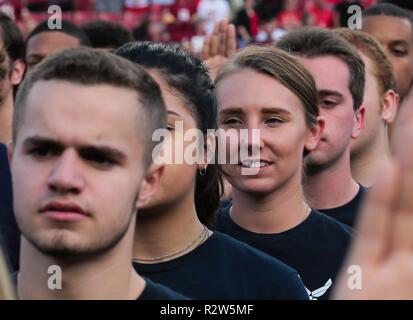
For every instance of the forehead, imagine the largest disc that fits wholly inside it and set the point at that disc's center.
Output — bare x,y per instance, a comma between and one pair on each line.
246,88
45,43
78,114
387,29
172,98
329,72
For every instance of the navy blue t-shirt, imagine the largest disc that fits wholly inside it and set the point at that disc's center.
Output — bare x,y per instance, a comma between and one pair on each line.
223,268
10,234
348,212
315,248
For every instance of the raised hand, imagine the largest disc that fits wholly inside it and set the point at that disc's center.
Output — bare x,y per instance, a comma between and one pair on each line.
218,46
383,248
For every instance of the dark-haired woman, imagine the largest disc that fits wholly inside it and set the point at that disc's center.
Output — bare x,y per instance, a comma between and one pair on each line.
173,243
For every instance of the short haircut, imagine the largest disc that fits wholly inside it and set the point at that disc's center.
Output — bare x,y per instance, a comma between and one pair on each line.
408,5
90,67
371,48
12,38
68,28
316,42
106,34
388,9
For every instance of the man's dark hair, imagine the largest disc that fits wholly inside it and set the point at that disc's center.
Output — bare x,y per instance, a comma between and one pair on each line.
90,67
68,28
315,42
187,76
12,38
106,34
388,9
408,5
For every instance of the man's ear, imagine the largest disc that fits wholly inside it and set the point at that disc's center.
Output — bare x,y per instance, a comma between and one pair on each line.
17,74
150,184
390,106
359,121
314,134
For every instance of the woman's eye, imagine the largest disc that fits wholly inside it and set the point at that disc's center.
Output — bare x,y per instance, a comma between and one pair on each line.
273,120
232,121
170,127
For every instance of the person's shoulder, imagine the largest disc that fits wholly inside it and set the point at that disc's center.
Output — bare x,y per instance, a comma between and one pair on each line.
156,291
327,223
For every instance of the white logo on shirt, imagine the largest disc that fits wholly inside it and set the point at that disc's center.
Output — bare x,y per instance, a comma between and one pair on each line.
317,293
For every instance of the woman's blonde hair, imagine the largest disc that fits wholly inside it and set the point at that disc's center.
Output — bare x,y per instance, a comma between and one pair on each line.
281,66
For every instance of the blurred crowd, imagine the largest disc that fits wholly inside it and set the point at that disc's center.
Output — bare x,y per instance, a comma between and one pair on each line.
187,21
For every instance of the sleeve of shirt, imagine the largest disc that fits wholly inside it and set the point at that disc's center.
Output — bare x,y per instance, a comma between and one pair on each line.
293,288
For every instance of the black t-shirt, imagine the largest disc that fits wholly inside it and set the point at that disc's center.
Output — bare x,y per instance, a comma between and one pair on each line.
348,212
342,8
223,268
315,248
155,291
10,234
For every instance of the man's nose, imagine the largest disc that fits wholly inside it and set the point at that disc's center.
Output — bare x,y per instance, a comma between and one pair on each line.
66,176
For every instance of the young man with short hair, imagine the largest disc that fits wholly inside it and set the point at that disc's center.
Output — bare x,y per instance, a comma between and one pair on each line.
43,41
12,48
392,26
12,68
81,157
372,148
339,74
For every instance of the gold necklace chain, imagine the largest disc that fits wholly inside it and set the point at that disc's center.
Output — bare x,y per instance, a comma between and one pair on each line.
203,236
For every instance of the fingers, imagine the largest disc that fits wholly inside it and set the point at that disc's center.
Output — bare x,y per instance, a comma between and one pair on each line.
205,47
403,132
231,41
222,41
222,31
375,229
214,46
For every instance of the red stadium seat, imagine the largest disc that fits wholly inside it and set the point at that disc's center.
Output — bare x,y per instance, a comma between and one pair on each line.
81,17
67,16
38,17
84,5
131,19
109,16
